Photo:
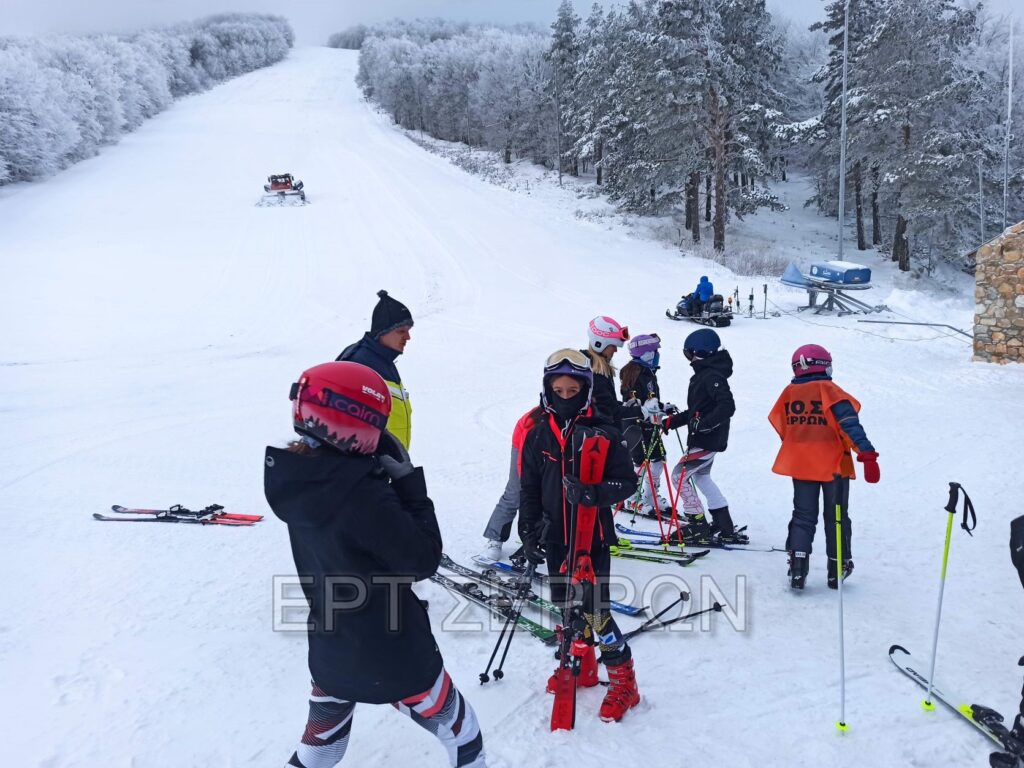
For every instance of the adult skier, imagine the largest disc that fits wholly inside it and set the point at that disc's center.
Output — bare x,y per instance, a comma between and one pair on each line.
640,414
709,409
551,494
818,424
389,332
362,529
606,336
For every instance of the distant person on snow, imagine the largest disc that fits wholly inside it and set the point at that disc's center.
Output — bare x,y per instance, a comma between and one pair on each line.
709,409
701,295
362,528
606,336
639,416
378,350
819,426
551,494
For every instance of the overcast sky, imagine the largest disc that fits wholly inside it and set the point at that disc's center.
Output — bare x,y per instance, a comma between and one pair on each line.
313,20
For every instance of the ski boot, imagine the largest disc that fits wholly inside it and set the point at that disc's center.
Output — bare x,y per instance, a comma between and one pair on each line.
622,692
588,672
696,529
723,530
833,582
798,567
491,551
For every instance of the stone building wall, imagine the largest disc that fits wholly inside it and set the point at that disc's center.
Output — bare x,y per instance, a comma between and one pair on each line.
999,299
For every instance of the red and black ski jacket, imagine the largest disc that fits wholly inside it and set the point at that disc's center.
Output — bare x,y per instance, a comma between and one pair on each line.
548,457
360,540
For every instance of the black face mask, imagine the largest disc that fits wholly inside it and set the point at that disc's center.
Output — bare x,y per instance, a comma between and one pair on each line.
565,410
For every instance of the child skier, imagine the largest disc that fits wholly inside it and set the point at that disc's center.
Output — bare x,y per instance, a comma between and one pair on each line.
605,336
817,422
361,528
709,408
551,495
499,525
640,413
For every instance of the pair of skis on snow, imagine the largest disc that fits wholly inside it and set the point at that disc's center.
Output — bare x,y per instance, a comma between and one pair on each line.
986,720
211,515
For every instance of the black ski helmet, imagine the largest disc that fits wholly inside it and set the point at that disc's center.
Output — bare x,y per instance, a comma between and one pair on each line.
701,344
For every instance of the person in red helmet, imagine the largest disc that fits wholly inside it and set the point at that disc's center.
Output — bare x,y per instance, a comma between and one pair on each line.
552,494
818,424
362,529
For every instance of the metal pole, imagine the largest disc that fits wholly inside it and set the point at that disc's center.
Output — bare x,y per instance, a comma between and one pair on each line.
842,130
841,575
981,204
1006,144
927,703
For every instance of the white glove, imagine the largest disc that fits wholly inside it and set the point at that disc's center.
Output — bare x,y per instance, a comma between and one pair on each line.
652,410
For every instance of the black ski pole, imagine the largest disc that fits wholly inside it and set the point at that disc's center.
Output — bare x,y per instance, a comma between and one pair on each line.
512,618
717,608
683,597
524,588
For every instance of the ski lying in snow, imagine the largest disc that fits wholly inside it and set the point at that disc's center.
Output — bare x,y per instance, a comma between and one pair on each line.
510,587
166,518
499,605
653,555
179,511
624,608
713,543
986,720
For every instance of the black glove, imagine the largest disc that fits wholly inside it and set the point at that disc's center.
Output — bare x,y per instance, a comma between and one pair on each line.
393,457
675,421
579,493
533,551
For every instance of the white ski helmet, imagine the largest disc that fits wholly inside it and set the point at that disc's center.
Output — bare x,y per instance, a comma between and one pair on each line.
606,332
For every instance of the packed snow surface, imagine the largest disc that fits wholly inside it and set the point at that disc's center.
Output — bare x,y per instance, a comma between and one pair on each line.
154,318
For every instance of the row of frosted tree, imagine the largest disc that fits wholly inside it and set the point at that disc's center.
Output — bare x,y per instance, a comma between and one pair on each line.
63,98
693,106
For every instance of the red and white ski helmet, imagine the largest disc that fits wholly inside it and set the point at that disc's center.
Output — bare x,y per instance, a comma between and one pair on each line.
605,332
343,404
812,358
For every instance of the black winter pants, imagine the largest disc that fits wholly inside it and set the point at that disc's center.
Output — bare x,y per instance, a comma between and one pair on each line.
805,515
596,601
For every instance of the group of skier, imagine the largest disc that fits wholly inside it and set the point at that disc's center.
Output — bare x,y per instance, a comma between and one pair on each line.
357,508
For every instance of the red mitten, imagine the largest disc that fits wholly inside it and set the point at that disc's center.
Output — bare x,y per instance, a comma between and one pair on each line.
870,461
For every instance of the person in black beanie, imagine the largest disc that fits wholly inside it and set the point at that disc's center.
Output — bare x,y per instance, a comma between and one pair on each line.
378,349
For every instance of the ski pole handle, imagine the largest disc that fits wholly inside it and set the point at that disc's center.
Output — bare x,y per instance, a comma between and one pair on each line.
954,497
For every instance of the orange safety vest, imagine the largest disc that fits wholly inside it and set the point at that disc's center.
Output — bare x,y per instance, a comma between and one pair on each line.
813,445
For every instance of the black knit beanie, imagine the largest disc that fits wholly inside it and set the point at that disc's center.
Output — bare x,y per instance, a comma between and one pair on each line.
388,315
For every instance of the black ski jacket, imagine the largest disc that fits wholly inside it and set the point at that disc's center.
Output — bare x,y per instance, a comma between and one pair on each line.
354,534
541,507
709,397
605,398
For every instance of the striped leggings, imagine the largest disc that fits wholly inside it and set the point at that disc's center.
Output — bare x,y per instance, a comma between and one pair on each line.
441,710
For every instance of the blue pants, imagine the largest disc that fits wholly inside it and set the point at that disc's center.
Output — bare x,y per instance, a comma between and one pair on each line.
805,515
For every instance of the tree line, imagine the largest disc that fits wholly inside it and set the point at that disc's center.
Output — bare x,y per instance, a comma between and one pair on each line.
693,106
62,98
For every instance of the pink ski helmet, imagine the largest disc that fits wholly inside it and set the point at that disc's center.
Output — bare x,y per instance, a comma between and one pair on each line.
812,358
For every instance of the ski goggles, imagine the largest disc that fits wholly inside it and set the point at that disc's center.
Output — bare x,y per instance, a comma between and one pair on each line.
570,362
622,334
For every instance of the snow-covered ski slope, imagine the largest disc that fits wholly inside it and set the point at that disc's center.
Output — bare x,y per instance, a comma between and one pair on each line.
153,319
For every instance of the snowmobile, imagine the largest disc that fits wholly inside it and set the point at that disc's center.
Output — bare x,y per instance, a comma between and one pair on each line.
282,189
715,312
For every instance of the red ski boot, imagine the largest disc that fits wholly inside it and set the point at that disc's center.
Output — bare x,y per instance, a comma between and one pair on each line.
622,693
588,672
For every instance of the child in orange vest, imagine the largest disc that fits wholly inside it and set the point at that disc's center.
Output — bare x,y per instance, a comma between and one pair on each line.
818,424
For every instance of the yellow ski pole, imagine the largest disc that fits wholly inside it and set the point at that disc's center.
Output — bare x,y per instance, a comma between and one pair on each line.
954,493
840,562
